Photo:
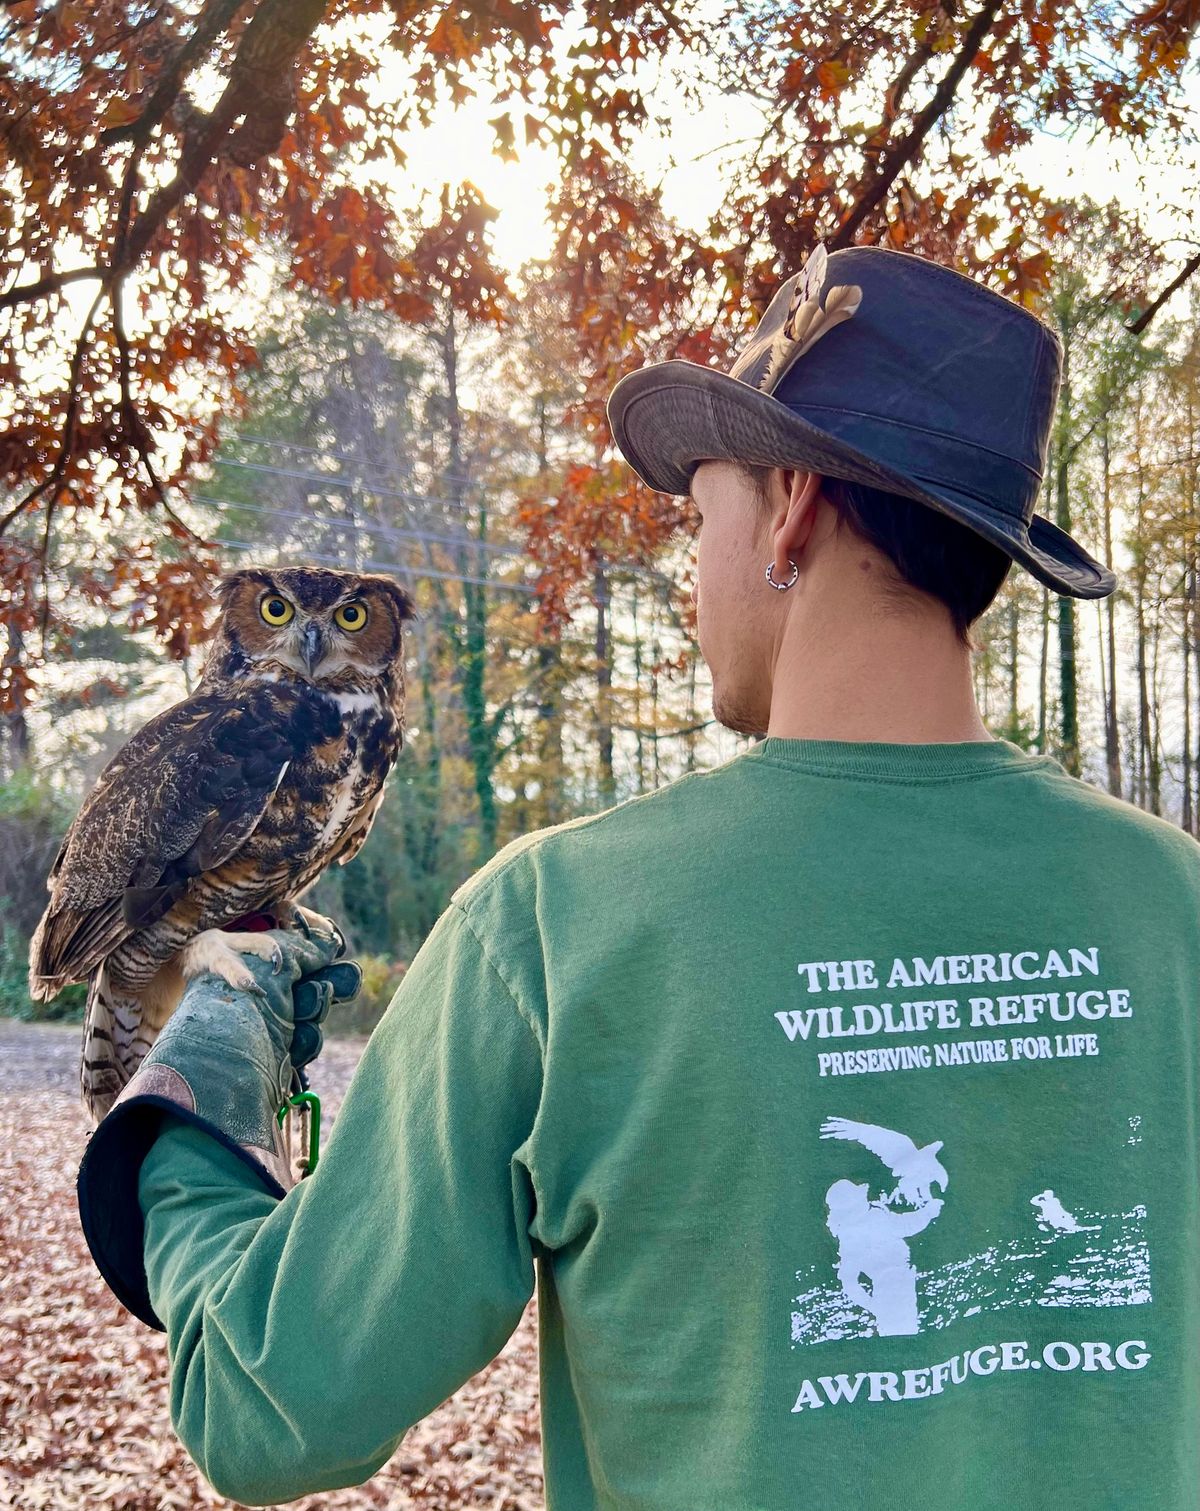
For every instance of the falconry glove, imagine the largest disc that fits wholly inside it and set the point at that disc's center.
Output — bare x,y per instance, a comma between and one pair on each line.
228,1060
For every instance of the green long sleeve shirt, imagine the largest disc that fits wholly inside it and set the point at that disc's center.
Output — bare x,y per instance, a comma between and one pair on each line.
843,1104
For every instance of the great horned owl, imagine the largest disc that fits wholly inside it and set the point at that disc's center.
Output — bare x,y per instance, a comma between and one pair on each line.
229,803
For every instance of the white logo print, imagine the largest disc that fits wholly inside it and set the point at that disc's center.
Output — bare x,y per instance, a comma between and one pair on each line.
871,1236
1054,1217
1065,1256
915,1169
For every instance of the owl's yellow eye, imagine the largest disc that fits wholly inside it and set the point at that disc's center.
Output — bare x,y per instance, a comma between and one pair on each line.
351,616
276,610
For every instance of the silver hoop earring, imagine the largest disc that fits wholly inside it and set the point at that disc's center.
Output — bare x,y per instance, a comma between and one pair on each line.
782,586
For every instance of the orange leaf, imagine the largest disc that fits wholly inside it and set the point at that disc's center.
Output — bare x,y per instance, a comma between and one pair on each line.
121,111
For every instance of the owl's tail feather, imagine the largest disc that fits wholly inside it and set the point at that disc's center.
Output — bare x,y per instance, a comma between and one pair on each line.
113,1044
68,945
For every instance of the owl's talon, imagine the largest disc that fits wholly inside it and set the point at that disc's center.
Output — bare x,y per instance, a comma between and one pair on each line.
306,922
221,953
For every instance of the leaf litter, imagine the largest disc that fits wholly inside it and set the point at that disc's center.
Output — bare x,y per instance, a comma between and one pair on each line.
84,1420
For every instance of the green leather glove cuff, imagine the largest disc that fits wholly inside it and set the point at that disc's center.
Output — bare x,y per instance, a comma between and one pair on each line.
226,1060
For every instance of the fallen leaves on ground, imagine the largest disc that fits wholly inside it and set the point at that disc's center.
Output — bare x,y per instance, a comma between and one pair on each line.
83,1385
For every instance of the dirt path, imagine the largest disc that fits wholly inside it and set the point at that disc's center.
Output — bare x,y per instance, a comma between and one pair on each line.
83,1385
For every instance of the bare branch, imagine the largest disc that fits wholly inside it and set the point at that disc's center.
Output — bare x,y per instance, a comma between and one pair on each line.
259,88
1144,319
131,421
214,21
26,293
52,484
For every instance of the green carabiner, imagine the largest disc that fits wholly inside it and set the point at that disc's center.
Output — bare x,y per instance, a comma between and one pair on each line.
313,1102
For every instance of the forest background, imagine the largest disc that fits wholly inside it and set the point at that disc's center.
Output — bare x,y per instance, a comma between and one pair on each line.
347,282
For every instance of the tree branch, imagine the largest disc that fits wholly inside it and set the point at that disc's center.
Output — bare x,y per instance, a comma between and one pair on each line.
26,293
131,421
260,88
1144,319
496,720
647,733
53,482
214,21
906,150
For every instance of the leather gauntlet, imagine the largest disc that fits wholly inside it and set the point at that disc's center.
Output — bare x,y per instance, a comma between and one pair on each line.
228,1060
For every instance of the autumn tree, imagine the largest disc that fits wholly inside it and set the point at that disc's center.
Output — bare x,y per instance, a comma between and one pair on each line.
146,172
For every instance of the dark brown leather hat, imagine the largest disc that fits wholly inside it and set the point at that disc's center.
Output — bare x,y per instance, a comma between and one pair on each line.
887,369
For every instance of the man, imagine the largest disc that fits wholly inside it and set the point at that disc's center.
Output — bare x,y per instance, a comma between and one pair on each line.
639,1050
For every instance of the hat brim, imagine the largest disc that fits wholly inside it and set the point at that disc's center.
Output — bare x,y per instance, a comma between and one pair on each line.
669,417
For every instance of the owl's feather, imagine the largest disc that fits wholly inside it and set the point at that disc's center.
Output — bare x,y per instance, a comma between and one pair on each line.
356,838
806,323
110,1047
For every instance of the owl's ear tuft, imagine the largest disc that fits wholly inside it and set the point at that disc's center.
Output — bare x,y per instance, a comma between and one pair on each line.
402,600
228,584
406,605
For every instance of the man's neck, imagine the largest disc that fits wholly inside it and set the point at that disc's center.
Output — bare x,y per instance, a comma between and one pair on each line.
907,683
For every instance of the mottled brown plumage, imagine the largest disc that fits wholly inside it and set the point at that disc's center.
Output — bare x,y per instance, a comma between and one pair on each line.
231,802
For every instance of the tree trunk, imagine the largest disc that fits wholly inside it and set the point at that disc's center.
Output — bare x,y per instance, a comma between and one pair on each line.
1187,820
604,729
1043,673
422,822
637,693
480,735
551,807
1153,722
14,726
1068,686
1112,731
1143,744
1044,654
470,644
1014,651
1141,555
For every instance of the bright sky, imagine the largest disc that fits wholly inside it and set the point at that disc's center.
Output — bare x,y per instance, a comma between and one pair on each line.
456,148
688,162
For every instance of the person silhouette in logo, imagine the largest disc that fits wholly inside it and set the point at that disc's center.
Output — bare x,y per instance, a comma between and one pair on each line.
871,1244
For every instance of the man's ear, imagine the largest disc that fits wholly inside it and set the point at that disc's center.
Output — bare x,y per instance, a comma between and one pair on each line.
793,523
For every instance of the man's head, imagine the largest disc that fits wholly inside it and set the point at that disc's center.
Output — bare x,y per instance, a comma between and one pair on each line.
891,369
860,557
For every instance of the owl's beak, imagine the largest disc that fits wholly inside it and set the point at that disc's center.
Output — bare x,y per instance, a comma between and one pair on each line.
312,646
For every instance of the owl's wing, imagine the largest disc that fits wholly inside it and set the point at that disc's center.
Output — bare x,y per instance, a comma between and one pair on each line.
353,842
179,798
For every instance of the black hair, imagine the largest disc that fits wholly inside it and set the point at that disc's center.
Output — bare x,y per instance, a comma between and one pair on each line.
931,552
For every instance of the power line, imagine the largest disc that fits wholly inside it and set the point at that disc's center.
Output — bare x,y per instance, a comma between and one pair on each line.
329,479
330,451
324,480
613,567
370,565
354,485
334,523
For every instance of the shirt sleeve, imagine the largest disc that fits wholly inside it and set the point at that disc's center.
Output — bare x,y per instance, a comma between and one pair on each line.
307,1335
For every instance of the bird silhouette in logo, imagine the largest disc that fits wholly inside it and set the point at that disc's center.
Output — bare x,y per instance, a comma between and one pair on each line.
916,1168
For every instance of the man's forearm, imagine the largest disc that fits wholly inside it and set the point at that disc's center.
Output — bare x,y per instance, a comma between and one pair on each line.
248,1396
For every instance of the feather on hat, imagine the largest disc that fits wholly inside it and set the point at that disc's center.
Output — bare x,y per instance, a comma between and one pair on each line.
807,320
942,391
